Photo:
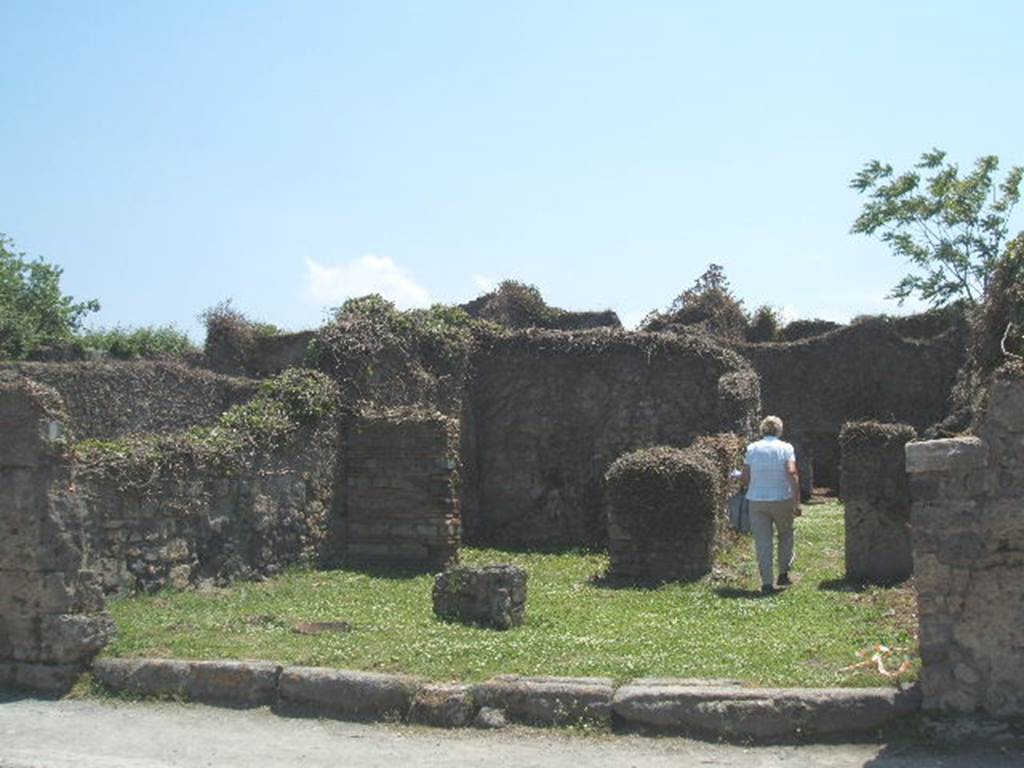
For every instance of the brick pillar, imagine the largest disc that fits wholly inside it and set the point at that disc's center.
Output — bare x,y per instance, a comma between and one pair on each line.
401,489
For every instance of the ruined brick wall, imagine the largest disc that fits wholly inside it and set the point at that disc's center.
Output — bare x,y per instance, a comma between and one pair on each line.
106,400
876,500
401,502
256,355
182,525
550,411
667,513
880,370
967,497
52,618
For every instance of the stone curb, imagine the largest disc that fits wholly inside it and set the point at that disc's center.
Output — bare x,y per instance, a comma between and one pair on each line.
717,708
759,713
234,683
358,695
549,700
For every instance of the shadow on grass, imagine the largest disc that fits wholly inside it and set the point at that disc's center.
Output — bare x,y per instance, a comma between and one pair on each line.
736,593
388,572
841,585
606,581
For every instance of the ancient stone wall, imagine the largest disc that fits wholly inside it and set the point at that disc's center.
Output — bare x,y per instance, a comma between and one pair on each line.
256,355
667,512
967,497
401,501
872,370
112,399
178,524
876,499
550,412
52,618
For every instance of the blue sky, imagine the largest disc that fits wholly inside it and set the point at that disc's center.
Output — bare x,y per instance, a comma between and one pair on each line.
284,155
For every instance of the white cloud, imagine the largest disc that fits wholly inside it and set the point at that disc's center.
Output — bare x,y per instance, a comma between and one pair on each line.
789,313
483,284
367,274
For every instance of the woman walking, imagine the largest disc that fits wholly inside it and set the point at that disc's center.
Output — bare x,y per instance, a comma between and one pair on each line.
773,490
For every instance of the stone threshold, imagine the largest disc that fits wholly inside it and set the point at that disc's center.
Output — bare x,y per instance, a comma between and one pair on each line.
717,709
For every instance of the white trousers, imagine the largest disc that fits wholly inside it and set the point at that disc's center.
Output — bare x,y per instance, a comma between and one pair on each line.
763,515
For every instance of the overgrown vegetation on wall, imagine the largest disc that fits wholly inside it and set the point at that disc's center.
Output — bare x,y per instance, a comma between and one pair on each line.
283,406
379,354
231,336
517,305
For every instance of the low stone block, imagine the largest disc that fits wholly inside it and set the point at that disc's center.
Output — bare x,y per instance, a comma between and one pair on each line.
494,595
760,713
50,679
239,683
548,700
357,695
443,706
160,678
954,454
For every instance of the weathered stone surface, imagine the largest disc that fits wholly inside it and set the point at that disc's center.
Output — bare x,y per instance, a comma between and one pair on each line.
51,679
876,501
759,713
954,454
489,718
241,683
548,700
549,412
345,693
159,678
492,595
968,538
443,706
401,489
878,369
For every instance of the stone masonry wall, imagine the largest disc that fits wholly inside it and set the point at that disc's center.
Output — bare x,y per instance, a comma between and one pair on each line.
179,529
872,370
876,499
967,524
550,411
401,505
52,618
107,400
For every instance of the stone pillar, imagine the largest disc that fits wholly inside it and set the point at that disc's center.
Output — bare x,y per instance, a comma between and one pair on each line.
51,610
667,509
876,498
401,502
967,518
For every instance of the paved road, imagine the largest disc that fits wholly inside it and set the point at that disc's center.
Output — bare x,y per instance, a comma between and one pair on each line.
90,734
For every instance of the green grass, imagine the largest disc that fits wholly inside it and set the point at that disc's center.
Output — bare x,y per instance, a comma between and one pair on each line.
718,627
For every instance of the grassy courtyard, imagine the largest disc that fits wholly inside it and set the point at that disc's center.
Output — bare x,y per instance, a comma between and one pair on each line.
719,627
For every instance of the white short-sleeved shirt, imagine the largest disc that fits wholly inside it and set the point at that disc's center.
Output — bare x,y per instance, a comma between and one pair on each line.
768,460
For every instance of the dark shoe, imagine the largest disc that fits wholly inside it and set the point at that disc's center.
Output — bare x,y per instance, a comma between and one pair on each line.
767,589
784,580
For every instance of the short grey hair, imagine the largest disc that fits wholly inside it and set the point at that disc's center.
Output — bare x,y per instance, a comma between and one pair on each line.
771,425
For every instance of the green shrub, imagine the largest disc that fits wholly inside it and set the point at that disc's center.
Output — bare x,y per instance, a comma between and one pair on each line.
33,311
764,325
709,304
147,342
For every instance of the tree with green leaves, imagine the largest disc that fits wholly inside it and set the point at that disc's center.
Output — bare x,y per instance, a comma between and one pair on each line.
950,227
33,311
